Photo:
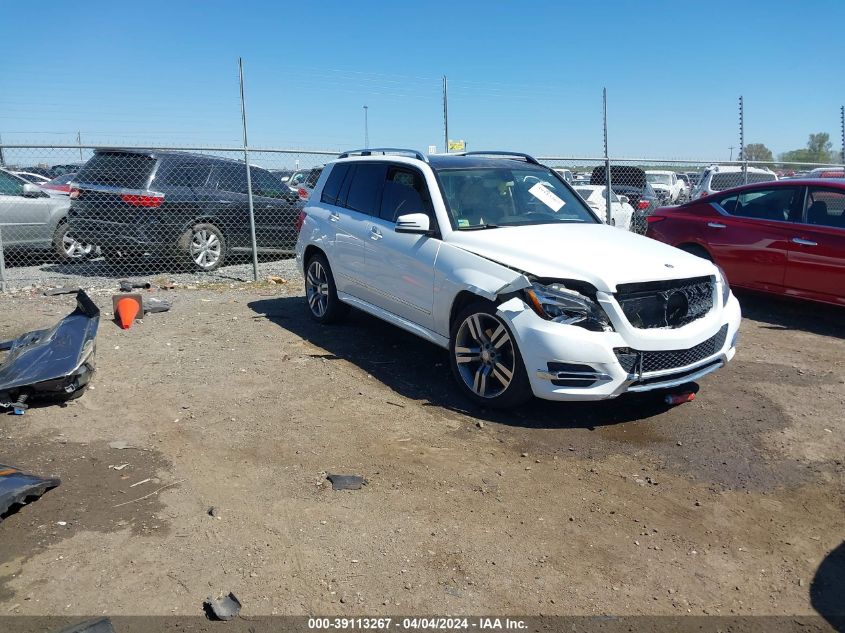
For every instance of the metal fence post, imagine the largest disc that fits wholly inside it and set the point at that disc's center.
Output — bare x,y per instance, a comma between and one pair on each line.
606,161
248,175
2,264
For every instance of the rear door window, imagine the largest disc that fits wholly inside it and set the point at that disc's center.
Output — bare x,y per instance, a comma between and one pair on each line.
825,207
266,184
181,174
118,169
231,178
366,188
334,182
727,180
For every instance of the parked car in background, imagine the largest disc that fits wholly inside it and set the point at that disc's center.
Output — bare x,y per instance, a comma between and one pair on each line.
195,207
296,178
665,184
595,196
826,172
720,177
33,219
495,258
283,174
59,170
630,182
686,187
35,179
60,185
785,237
566,174
306,185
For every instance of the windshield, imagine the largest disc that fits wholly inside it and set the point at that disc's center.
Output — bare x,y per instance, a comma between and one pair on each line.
485,197
659,179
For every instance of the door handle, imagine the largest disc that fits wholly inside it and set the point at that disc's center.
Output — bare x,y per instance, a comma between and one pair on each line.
334,217
717,225
225,201
375,234
802,242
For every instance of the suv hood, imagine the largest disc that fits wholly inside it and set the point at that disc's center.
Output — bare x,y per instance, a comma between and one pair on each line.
596,253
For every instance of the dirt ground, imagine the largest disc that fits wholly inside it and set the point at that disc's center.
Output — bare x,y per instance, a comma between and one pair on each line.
731,504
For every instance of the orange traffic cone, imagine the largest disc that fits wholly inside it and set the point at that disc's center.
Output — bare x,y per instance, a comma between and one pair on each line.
126,308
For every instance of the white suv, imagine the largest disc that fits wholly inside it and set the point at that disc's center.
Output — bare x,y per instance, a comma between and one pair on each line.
494,257
720,177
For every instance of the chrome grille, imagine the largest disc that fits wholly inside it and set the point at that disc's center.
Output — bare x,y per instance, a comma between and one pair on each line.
666,304
639,362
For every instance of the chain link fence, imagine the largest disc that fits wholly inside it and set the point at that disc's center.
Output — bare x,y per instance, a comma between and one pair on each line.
91,216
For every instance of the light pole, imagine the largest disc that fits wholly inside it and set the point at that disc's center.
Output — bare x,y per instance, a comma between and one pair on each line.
366,128
732,153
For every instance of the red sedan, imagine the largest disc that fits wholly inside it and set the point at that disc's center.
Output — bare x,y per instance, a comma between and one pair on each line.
785,237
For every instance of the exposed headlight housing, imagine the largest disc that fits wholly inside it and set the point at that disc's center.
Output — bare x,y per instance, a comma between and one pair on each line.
726,289
556,302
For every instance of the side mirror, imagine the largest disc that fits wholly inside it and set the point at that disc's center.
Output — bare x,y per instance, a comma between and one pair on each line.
624,200
32,191
417,223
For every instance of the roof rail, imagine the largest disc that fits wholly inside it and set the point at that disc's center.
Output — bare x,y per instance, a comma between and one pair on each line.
384,150
526,157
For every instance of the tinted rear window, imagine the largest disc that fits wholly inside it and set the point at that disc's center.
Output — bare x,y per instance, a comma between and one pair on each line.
365,190
182,174
115,169
333,183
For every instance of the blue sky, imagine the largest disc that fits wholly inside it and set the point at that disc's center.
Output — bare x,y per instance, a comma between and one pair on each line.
522,75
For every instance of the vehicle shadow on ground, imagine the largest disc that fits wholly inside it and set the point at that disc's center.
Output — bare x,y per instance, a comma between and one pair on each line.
786,314
419,370
827,591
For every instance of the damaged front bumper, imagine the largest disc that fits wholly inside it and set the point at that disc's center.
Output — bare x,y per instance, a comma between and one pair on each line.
56,363
565,362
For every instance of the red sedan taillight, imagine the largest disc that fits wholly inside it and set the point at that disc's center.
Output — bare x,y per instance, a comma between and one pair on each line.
148,201
642,205
300,220
303,193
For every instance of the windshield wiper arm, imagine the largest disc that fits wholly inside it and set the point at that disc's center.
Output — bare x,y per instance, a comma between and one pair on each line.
478,227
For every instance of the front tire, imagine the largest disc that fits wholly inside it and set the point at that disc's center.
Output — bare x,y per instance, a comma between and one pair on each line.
324,306
68,249
485,359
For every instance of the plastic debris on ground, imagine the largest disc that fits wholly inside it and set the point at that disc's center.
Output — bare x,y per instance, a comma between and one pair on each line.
223,607
346,482
55,363
18,488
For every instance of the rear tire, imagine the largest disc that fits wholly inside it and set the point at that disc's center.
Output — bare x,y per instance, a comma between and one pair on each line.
68,249
485,359
205,247
324,306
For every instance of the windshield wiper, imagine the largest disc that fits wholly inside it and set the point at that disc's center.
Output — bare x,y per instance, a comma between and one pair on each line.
478,227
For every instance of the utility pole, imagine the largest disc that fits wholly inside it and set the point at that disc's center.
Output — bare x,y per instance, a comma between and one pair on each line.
2,158
446,113
366,129
248,175
841,125
606,160
742,140
732,153
79,142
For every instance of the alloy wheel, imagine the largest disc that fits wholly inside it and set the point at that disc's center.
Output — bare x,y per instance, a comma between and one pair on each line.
484,353
205,248
74,249
317,289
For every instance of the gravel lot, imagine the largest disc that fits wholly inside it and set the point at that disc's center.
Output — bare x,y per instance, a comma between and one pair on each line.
732,504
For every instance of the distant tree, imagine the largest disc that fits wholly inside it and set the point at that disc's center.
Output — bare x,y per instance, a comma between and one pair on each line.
818,151
757,151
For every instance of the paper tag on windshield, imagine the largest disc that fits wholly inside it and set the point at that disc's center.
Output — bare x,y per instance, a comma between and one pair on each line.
547,197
